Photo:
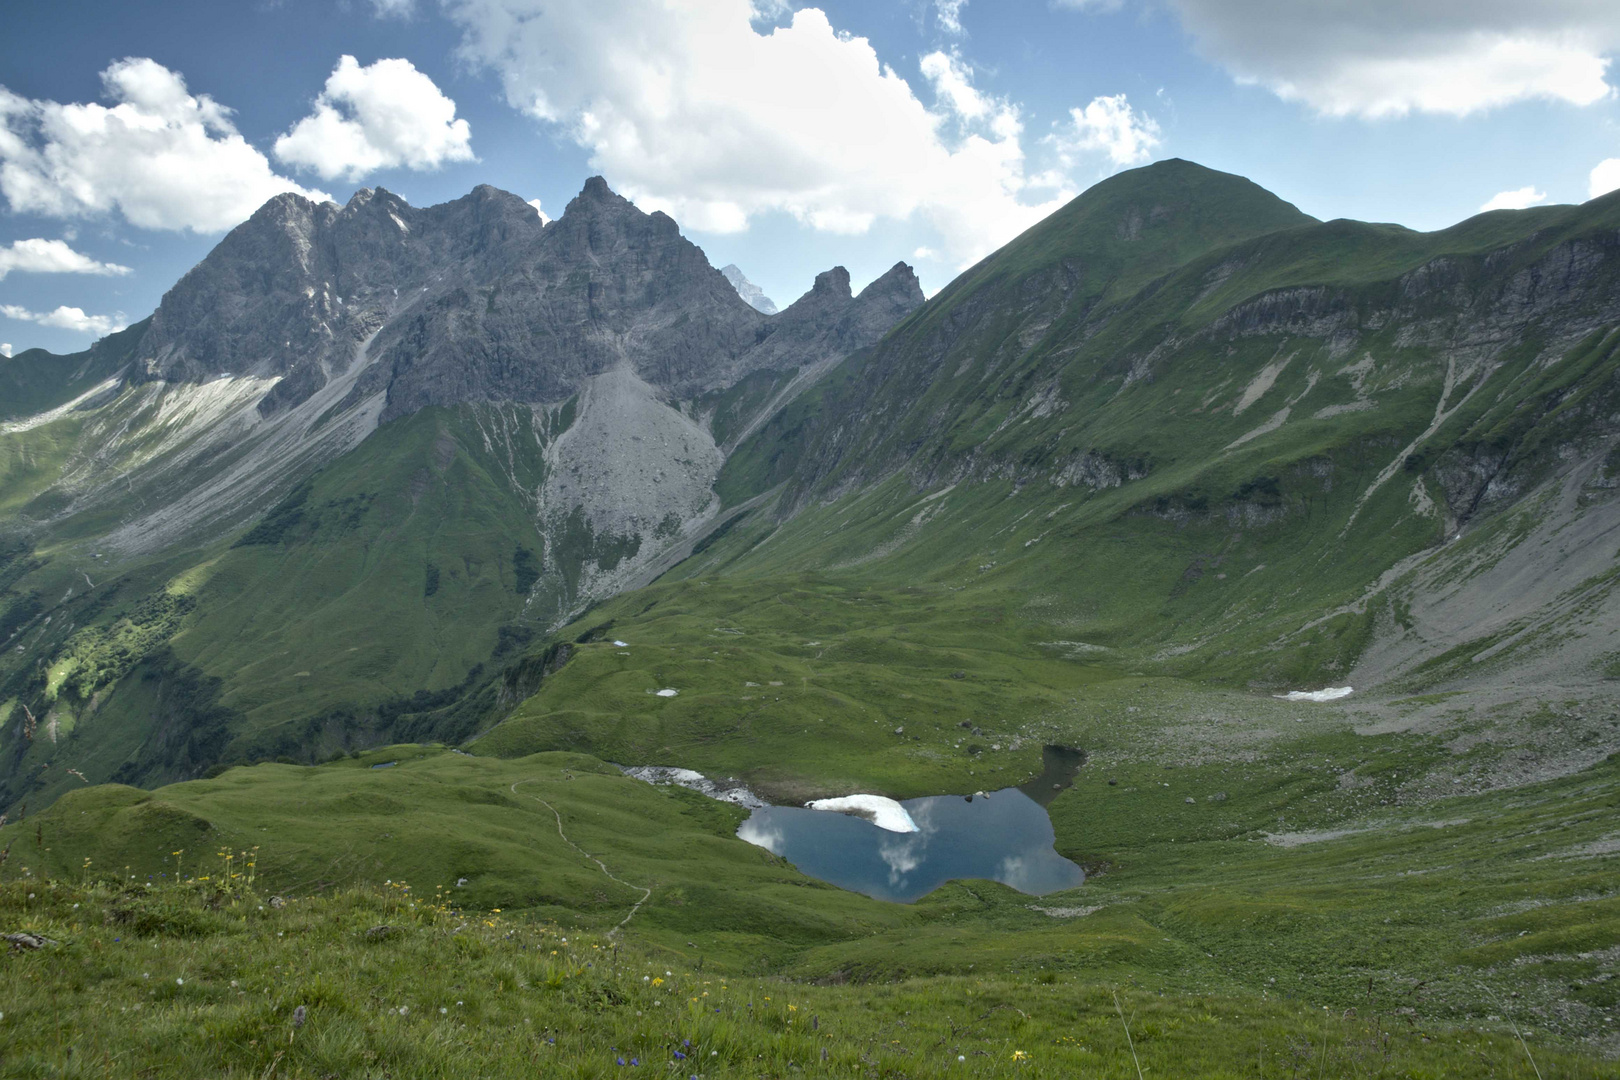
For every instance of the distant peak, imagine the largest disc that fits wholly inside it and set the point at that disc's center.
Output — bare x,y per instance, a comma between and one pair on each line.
900,279
287,206
596,199
834,282
748,290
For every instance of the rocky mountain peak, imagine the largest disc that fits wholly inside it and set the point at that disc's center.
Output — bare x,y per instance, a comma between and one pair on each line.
596,189
898,282
476,300
832,283
748,290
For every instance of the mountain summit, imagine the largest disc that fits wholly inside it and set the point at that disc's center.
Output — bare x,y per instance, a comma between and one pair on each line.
748,290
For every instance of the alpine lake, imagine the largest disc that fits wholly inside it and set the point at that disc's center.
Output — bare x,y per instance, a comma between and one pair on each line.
1004,835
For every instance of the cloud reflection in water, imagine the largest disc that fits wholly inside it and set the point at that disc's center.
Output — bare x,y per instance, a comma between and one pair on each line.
1006,837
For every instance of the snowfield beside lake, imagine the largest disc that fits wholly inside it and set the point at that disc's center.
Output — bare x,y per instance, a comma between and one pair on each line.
883,812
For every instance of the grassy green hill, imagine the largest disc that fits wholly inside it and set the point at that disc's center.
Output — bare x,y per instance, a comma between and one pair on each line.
1174,452
1275,908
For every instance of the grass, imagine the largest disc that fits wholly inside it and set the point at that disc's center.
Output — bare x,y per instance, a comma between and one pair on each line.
191,978
1279,885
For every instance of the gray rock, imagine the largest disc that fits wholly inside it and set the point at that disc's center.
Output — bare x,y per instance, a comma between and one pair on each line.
476,300
331,320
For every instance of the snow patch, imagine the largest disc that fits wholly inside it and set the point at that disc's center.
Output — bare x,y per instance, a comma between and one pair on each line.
1331,693
883,812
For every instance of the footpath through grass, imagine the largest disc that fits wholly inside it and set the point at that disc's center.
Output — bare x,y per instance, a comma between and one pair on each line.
208,977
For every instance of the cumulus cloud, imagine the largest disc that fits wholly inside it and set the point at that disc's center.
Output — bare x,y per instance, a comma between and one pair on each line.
163,157
1604,179
1378,58
67,318
381,116
1110,127
953,86
687,107
5,349
52,257
1517,199
950,14
545,219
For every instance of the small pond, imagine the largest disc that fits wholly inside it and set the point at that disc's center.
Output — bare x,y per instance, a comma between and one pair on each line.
1005,836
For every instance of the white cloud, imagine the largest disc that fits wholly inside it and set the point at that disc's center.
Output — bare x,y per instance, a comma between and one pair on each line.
67,318
953,85
163,157
1088,5
1604,179
1379,58
377,117
396,9
950,14
545,219
1109,126
52,257
1517,199
5,349
687,108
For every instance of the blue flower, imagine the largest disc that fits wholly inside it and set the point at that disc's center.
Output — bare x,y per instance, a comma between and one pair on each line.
621,1061
679,1056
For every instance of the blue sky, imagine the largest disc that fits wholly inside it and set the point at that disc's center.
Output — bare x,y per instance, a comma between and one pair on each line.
784,137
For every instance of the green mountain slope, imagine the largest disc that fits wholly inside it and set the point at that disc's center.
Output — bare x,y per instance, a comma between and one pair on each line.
35,381
1309,405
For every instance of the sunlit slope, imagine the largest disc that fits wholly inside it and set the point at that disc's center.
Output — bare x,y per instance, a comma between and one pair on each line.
1217,461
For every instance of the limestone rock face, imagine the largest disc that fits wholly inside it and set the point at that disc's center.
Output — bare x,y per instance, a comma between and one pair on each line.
310,325
477,301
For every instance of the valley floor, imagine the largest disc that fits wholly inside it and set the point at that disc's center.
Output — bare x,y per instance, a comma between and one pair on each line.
1376,886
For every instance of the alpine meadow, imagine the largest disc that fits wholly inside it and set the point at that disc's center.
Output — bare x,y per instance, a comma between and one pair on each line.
423,632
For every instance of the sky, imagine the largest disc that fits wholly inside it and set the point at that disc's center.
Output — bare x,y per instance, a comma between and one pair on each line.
784,137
